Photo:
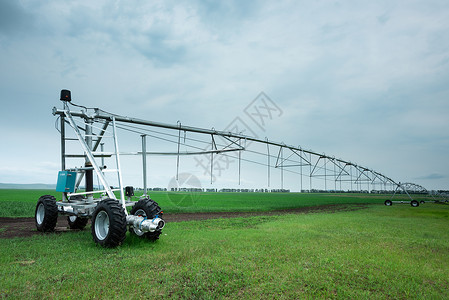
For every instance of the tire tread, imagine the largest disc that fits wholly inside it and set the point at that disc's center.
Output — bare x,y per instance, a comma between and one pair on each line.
117,223
51,213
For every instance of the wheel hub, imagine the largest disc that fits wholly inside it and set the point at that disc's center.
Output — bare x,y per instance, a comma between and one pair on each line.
102,225
40,214
139,212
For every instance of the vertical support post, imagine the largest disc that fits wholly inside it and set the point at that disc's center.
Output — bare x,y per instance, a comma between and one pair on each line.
268,165
282,168
212,147
102,160
240,159
339,179
368,181
177,159
359,185
144,163
325,175
62,143
335,177
89,173
102,151
310,167
211,167
64,195
300,169
351,176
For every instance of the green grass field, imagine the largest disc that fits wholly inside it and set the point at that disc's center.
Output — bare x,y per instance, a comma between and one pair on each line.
21,203
381,252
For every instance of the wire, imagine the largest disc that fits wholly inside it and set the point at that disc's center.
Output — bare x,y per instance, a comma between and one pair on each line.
82,106
128,128
56,124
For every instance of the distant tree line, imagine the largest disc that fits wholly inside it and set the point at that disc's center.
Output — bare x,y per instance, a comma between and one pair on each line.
264,190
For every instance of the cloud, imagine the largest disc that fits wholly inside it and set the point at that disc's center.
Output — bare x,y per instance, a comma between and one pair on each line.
14,19
433,176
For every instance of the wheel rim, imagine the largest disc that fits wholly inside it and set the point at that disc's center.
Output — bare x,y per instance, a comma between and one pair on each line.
142,213
102,225
40,213
72,218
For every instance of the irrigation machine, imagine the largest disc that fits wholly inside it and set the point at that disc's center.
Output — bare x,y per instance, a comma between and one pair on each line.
111,215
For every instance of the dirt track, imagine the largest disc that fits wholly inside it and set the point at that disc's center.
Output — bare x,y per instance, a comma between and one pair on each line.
25,227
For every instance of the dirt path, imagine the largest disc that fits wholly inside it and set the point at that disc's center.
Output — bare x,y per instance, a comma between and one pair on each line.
25,227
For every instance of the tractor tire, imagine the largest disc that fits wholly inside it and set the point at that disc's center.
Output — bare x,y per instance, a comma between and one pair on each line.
149,209
414,203
77,222
388,203
109,224
46,214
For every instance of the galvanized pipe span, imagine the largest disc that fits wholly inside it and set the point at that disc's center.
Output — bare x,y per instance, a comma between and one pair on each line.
363,174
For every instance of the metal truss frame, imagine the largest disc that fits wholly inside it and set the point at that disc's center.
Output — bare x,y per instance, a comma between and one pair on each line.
210,143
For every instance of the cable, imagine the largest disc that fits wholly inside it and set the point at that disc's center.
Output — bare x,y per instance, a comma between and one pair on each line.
56,124
82,106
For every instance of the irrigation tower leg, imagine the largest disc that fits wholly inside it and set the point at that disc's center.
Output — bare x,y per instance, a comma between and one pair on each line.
144,163
89,173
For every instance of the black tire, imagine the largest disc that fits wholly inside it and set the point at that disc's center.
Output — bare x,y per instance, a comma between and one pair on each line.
77,222
414,203
149,209
388,203
109,224
46,213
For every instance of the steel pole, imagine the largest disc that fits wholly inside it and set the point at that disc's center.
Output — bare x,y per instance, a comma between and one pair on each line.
102,151
300,171
88,164
144,163
268,157
62,143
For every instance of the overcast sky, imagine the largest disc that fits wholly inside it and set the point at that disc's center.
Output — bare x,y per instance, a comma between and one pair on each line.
365,81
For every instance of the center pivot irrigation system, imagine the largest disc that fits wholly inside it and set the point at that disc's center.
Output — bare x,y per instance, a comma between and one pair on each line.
214,151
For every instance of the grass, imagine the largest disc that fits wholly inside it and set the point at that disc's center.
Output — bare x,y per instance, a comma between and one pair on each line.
22,203
382,252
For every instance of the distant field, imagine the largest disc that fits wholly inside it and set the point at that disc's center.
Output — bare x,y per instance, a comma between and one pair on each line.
21,203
